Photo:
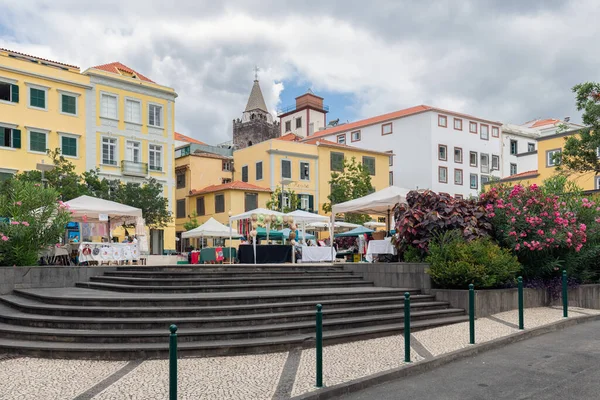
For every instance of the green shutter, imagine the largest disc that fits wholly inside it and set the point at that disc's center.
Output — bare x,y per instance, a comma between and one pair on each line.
37,98
37,141
311,203
69,146
16,138
14,93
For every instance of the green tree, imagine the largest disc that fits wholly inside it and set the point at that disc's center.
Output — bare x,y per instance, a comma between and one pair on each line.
274,202
580,152
148,197
192,223
354,182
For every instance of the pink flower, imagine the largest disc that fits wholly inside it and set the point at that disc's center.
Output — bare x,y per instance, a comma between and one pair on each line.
37,185
517,247
14,222
18,203
4,238
25,223
540,232
582,227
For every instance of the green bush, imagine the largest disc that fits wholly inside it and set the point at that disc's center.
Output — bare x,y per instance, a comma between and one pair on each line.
412,254
455,263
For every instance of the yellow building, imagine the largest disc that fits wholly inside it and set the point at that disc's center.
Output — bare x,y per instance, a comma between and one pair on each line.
130,125
42,106
304,167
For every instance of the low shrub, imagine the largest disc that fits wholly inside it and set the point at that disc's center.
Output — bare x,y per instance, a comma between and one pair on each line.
412,254
456,262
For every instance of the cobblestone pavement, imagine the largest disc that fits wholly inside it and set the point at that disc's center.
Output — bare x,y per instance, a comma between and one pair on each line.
254,377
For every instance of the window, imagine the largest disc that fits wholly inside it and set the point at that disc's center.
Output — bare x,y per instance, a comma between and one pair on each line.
286,169
458,158
597,182
495,163
336,162
442,174
227,165
391,160
4,176
133,111
341,139
484,179
108,106
9,92
458,197
10,138
109,150
442,152
37,98
68,146
442,121
180,208
473,127
386,129
391,178
288,126
530,147
259,171
219,203
355,136
304,171
200,210
311,128
484,132
37,141
304,202
133,151
513,169
250,201
245,173
458,176
473,181
553,157
514,147
473,158
369,164
155,157
299,122
485,163
218,242
180,179
458,124
495,131
68,104
155,115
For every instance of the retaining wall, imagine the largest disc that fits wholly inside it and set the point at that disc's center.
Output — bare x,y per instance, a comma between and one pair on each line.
398,275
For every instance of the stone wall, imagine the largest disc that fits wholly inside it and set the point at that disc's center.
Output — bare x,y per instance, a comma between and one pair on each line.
398,275
253,131
45,277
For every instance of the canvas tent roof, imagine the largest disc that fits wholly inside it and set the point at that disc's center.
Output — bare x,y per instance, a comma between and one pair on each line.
248,214
305,216
380,202
325,225
91,208
361,230
211,228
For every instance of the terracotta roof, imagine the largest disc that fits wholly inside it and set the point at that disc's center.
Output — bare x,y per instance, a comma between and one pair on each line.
236,185
205,154
542,122
290,137
184,138
114,67
38,58
256,100
390,116
327,143
526,174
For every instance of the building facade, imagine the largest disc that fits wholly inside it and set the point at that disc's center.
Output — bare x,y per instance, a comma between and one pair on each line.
42,106
432,148
519,150
307,116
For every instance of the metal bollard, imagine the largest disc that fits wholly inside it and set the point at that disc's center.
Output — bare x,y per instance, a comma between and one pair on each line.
521,323
407,327
471,314
173,362
319,346
565,295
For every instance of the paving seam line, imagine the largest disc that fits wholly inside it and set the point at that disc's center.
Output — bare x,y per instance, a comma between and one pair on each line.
420,348
109,380
426,365
288,375
503,322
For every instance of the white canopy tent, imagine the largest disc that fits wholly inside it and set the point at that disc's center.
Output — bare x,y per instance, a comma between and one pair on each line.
305,217
211,228
374,224
338,225
90,208
248,215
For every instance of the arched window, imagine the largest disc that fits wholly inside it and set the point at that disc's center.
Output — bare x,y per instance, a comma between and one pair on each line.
252,116
249,143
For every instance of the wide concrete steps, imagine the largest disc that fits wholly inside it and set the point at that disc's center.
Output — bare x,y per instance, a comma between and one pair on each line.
219,310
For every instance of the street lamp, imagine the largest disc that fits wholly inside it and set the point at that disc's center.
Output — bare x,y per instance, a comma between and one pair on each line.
283,183
44,167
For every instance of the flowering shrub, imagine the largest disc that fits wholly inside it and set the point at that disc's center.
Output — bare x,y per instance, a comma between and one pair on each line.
31,219
428,213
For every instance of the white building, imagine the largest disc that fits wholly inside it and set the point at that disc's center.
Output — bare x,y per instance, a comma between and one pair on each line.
550,126
519,149
304,118
435,149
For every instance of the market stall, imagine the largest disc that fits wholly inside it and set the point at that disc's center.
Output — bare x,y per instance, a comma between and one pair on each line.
213,229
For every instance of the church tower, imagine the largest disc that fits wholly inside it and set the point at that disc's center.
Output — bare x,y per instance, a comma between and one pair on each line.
256,124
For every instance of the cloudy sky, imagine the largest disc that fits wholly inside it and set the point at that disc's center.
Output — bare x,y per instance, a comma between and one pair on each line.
507,60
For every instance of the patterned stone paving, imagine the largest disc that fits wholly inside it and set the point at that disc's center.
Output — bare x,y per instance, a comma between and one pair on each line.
268,376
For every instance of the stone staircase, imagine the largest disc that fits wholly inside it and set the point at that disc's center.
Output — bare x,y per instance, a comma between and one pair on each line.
219,309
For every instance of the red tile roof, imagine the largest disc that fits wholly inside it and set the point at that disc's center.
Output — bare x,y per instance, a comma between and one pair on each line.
114,67
328,143
183,138
542,122
38,58
236,185
390,116
526,174
290,137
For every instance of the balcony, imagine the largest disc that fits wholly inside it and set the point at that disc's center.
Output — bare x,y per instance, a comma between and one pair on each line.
288,109
134,168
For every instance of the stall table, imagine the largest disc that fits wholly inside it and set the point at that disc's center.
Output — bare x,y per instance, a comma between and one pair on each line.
107,252
316,254
376,247
265,254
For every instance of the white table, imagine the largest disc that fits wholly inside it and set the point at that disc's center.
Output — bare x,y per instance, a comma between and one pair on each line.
317,254
380,247
107,252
